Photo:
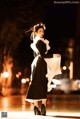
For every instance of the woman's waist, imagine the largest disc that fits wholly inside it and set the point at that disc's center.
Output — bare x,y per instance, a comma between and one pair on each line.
37,55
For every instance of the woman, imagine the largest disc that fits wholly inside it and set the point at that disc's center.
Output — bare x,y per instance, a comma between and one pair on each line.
39,77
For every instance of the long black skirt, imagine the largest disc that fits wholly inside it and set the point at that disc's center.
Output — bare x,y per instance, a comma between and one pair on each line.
38,88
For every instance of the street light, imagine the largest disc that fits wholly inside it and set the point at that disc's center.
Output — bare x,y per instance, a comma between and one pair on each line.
23,80
5,74
71,50
64,67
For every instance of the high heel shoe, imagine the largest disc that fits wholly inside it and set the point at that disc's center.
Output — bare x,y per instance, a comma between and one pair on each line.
36,111
43,110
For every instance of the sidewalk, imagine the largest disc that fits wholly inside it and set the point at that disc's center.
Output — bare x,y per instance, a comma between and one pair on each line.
30,115
58,107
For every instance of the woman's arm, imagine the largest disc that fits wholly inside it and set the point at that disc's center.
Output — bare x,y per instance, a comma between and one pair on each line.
41,46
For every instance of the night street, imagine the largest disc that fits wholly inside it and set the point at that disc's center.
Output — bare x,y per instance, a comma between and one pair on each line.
39,53
58,106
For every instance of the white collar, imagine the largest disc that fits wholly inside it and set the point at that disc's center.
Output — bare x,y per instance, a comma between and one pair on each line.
36,39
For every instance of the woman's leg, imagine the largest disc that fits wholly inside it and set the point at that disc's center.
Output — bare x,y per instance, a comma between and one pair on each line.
36,103
43,107
36,110
44,101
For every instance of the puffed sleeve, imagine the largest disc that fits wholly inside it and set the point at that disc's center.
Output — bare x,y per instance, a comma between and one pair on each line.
41,46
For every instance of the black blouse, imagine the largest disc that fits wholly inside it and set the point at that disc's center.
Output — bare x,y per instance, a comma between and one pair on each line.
41,46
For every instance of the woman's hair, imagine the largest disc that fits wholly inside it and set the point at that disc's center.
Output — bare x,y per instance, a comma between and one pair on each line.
36,28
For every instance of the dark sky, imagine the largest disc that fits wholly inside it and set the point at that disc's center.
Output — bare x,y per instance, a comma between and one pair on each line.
60,20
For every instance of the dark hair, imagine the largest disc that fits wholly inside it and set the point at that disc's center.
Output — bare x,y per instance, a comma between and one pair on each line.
32,36
38,26
35,29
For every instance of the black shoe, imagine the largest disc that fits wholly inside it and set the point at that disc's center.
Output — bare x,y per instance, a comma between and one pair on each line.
36,111
43,110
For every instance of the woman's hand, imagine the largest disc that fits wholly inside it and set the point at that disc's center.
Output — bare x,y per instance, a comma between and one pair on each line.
46,41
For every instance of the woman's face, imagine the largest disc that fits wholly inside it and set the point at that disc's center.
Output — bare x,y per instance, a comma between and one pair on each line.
40,32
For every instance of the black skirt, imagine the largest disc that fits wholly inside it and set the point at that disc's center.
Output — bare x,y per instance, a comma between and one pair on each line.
38,88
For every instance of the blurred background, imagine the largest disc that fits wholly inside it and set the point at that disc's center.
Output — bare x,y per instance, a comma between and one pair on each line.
63,32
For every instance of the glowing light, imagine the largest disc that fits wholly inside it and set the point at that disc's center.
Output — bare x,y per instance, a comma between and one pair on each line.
17,76
23,80
19,73
5,74
64,68
71,70
79,85
48,102
27,79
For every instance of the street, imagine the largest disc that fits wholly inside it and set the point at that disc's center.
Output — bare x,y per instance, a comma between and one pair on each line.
58,106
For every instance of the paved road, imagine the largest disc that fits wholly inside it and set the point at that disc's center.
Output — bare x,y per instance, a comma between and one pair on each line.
58,106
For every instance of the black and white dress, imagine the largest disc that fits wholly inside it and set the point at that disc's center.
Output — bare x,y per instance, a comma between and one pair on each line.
39,81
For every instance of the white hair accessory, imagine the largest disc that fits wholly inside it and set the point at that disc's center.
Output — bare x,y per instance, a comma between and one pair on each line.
41,24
